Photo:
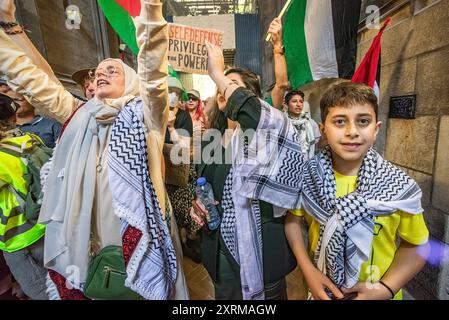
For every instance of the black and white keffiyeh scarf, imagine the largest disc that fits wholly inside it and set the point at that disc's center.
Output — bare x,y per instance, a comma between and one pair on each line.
228,227
152,268
268,168
242,235
347,223
307,135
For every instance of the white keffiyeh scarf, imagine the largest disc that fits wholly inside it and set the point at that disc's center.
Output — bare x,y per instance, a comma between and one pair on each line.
152,268
268,169
308,134
347,223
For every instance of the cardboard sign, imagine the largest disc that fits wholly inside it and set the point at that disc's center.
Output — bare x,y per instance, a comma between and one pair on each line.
187,51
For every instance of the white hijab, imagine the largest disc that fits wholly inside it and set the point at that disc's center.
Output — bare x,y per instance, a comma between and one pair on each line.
131,89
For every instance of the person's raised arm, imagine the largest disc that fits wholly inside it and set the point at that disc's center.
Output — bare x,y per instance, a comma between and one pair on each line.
216,67
7,15
152,39
280,64
47,97
242,105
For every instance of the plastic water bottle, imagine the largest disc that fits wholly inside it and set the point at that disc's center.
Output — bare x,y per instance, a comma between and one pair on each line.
205,194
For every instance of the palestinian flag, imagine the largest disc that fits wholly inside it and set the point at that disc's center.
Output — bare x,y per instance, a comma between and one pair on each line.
120,14
369,70
320,39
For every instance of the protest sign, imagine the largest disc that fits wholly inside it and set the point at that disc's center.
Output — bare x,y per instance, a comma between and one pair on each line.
187,50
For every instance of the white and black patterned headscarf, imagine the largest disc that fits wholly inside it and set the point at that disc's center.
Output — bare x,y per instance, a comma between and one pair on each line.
347,223
267,168
152,267
228,227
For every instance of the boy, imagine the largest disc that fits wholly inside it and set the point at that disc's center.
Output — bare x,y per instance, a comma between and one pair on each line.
355,204
308,130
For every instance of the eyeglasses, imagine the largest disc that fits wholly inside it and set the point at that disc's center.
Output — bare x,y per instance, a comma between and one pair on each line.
110,71
193,98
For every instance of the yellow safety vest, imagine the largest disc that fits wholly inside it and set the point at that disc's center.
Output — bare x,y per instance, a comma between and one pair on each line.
16,231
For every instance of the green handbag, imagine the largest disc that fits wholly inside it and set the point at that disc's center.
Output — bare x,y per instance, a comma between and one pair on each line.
106,276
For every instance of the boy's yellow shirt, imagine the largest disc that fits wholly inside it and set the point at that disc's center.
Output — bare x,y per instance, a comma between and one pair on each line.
409,227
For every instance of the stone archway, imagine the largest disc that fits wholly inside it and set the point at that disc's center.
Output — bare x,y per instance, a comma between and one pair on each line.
314,91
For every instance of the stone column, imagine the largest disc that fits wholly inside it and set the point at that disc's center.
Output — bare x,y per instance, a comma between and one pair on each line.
415,59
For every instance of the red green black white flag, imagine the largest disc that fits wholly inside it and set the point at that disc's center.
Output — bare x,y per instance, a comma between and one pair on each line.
120,14
320,39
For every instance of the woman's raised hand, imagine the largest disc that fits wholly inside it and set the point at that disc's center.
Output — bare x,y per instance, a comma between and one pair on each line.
215,65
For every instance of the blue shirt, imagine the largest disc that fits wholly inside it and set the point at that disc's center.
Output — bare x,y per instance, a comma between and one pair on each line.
46,129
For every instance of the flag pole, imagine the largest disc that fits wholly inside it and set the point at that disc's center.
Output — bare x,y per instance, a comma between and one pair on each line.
281,14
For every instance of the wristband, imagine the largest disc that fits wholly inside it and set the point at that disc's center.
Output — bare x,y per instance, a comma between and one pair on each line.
278,50
388,288
11,31
7,25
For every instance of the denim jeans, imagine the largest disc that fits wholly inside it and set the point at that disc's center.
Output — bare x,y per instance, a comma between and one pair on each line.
27,267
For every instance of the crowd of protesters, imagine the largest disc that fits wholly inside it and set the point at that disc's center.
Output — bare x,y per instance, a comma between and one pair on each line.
111,201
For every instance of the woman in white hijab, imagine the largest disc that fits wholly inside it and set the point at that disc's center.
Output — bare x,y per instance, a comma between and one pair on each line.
105,184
